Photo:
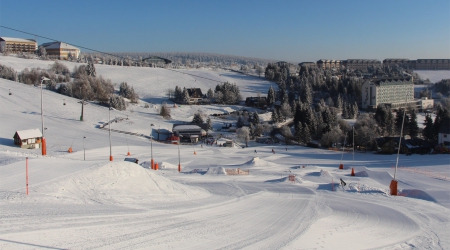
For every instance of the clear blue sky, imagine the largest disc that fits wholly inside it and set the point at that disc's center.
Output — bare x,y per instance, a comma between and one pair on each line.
293,31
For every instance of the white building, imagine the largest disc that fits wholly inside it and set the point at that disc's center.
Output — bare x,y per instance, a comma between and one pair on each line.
396,92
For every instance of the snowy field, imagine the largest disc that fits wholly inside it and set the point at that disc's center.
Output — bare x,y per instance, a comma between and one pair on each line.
433,75
98,204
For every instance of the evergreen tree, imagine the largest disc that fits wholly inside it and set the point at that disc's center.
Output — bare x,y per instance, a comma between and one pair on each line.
178,94
441,114
306,135
390,126
275,117
271,96
339,102
255,120
252,130
90,69
240,122
399,120
197,118
185,96
428,131
210,94
285,111
345,113
383,118
298,132
306,94
355,110
412,124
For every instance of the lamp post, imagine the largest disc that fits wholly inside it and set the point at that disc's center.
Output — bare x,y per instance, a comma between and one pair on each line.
44,144
179,159
84,150
151,147
109,125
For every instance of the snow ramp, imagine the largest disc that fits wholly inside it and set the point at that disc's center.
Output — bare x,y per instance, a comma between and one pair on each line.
118,183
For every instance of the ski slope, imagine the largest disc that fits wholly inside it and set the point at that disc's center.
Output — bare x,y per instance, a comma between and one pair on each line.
97,204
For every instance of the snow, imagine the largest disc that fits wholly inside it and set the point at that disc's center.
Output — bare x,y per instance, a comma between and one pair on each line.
433,75
98,204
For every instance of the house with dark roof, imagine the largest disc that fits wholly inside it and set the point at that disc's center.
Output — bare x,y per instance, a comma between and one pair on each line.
190,132
258,101
444,132
389,145
195,95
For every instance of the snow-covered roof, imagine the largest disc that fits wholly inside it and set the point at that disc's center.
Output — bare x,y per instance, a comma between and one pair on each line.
30,133
59,45
13,39
186,127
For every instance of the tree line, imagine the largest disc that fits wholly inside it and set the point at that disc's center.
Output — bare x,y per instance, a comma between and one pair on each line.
81,83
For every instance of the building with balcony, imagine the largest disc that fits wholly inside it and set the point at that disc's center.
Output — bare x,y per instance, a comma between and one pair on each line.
432,64
361,64
14,45
328,64
61,51
395,92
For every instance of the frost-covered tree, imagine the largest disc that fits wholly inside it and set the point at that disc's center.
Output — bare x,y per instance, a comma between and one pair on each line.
185,96
209,123
90,69
165,111
271,96
244,135
117,102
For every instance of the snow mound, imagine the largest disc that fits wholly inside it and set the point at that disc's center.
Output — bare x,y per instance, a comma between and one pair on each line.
119,182
416,194
382,177
324,174
257,162
166,165
216,171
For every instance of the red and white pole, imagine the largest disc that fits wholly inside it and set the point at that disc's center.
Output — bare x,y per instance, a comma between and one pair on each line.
27,175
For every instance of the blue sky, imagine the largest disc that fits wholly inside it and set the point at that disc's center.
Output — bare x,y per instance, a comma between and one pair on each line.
293,31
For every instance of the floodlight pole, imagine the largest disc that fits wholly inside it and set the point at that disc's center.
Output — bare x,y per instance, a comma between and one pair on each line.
151,147
84,149
44,144
179,158
109,123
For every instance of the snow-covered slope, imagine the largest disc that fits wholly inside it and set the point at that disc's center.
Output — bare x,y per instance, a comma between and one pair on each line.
96,204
